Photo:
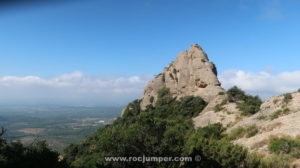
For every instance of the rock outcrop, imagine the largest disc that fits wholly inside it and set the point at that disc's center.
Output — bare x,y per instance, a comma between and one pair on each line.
191,74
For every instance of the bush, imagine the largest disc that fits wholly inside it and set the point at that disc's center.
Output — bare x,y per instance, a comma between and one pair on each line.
252,131
284,145
236,133
16,155
247,104
250,106
279,112
240,132
287,98
276,114
190,106
164,97
220,107
235,94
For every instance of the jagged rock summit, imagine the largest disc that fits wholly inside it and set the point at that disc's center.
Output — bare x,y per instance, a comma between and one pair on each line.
191,74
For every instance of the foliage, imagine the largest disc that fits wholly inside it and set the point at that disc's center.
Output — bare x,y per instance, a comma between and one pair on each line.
287,98
237,133
235,94
219,107
251,131
36,155
279,112
240,132
165,129
160,130
248,104
285,145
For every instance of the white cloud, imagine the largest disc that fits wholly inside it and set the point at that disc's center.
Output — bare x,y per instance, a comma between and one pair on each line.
75,88
263,83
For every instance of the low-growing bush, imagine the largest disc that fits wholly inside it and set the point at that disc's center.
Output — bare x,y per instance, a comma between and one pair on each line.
240,132
236,133
251,131
219,107
284,145
280,112
276,114
287,98
247,104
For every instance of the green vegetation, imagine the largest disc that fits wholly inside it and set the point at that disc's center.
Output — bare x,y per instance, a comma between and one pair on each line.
151,99
279,112
251,131
287,98
237,133
162,130
275,101
240,132
221,93
174,71
248,104
285,145
37,154
219,107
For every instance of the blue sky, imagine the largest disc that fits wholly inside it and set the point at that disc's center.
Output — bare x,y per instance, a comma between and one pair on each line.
137,38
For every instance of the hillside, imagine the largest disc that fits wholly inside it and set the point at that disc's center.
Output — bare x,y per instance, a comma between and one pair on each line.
184,111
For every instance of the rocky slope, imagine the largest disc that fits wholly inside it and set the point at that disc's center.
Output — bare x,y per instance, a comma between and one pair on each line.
190,74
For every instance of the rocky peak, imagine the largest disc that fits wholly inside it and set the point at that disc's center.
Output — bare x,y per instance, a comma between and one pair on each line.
191,74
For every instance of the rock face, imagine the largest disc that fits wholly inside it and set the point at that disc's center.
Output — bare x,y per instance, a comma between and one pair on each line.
191,74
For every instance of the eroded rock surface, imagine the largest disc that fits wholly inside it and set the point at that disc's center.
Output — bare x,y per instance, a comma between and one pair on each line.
191,74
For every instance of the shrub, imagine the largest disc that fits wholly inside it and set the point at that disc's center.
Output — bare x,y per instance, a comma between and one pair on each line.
276,114
235,94
240,132
275,101
287,98
221,93
174,71
247,104
236,133
250,106
190,106
252,131
280,112
151,99
164,97
284,145
220,107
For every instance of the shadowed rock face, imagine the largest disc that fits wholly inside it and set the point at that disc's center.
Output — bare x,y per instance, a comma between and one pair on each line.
191,74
